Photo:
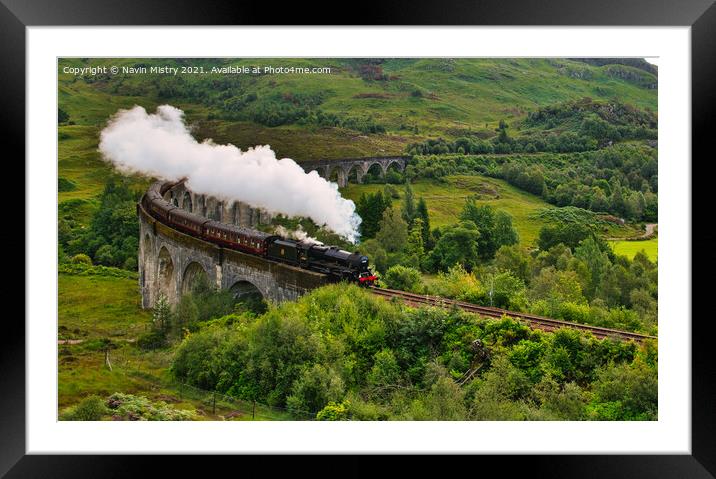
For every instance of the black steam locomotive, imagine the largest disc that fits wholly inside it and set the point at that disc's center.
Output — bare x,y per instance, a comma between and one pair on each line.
340,264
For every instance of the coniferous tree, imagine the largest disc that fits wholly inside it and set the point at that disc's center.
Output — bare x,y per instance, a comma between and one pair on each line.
393,233
415,248
370,207
421,212
161,315
409,206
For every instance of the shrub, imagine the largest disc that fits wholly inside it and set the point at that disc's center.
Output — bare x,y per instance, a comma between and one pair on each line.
314,389
403,278
459,284
334,412
139,408
151,340
91,408
63,184
82,259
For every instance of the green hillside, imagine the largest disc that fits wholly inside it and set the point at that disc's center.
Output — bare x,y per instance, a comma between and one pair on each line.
363,107
519,171
445,201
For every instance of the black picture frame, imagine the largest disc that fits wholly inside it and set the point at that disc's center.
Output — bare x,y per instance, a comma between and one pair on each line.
700,15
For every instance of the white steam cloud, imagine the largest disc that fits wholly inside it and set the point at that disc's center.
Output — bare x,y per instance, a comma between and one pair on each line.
297,234
161,145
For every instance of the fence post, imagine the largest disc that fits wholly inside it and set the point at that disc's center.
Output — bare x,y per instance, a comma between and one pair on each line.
253,412
213,404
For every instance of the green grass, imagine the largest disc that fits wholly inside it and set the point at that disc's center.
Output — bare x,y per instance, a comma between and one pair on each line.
305,143
100,306
93,307
631,248
446,200
459,97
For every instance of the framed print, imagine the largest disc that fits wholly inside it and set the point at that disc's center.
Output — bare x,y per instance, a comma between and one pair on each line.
408,238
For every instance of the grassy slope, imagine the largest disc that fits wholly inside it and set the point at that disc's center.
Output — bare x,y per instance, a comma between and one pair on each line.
100,306
460,96
94,307
457,93
446,200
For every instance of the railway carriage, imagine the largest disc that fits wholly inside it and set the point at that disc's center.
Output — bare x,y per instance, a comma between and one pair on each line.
341,264
187,222
237,237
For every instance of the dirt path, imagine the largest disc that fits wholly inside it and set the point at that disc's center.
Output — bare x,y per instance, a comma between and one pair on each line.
648,233
650,230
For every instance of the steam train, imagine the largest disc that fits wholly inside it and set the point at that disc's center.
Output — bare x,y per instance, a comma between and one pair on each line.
330,260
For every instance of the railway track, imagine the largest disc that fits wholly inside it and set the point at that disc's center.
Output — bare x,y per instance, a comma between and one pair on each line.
534,321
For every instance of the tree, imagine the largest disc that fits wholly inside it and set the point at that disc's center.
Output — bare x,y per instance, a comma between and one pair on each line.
458,244
504,233
617,203
162,315
314,389
422,213
384,374
570,234
376,254
415,249
104,255
556,288
505,290
334,412
495,227
409,211
446,401
515,259
566,403
204,302
403,278
458,284
499,392
599,201
393,232
371,207
597,262
502,136
626,392
112,236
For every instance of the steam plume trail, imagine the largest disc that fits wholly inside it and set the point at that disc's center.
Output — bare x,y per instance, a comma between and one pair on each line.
161,145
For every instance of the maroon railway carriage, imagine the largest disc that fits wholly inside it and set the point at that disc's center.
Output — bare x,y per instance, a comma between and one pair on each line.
342,265
238,237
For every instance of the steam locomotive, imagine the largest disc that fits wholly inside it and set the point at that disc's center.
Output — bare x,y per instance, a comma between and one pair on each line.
330,260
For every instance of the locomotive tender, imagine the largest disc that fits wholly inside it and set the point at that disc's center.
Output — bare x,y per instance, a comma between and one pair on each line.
330,260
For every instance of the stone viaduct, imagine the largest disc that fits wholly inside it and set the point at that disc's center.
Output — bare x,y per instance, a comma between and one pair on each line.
344,168
236,213
170,262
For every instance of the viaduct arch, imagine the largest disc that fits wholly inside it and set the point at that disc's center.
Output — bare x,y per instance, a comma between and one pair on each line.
170,262
355,168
